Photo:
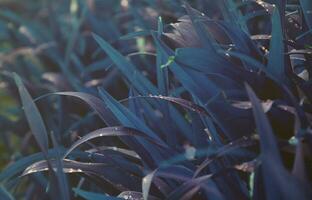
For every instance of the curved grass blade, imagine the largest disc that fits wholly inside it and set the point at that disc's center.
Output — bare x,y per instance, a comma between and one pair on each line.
126,117
243,142
268,143
176,172
129,119
33,116
5,195
135,34
17,167
112,131
184,103
186,78
141,83
192,186
69,166
179,101
279,184
146,184
112,173
40,133
94,102
204,36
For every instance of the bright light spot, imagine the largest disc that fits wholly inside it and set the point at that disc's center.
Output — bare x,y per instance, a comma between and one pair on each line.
190,152
3,85
74,7
124,3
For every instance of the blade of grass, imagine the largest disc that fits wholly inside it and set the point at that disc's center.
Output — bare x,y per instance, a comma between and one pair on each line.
276,61
93,196
306,6
5,195
279,184
33,116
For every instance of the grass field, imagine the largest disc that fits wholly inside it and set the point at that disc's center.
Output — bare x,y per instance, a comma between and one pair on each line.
155,99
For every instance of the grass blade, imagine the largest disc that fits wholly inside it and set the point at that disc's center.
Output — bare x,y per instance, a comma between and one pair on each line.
279,184
5,195
33,116
111,131
276,61
306,6
142,84
93,196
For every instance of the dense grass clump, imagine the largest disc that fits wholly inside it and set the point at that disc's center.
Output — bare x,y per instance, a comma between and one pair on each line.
156,99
